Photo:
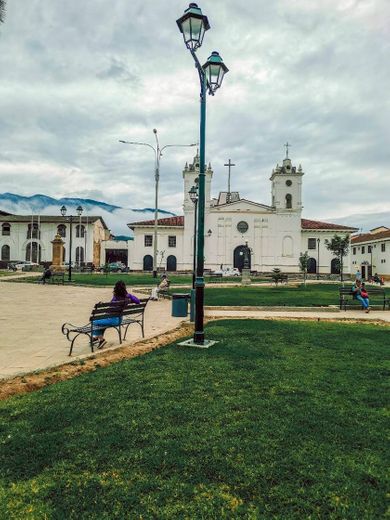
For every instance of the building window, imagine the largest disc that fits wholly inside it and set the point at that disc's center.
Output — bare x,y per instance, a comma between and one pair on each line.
6,230
61,230
369,249
171,241
79,255
288,201
80,231
363,250
354,250
5,253
148,240
383,248
311,243
33,231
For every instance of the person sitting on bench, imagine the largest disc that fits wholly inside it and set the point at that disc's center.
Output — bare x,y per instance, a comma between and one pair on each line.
360,293
162,286
99,326
46,275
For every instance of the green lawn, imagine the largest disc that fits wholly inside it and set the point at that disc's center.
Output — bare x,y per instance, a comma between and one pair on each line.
281,420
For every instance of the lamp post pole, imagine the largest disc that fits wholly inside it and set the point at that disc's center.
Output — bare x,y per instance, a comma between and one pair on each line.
70,220
194,197
157,155
193,25
318,258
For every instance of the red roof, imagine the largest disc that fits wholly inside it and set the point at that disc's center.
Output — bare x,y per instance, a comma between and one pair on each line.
315,224
370,237
168,221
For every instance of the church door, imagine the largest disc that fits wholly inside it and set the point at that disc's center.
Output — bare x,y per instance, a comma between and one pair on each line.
148,263
239,258
335,266
312,266
171,263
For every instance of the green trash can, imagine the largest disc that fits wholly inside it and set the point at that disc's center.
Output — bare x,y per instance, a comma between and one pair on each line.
180,305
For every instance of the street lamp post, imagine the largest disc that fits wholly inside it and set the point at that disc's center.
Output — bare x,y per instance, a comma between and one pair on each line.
318,258
193,25
157,155
194,197
79,211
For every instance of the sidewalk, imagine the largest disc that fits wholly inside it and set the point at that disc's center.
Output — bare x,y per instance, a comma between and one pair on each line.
31,317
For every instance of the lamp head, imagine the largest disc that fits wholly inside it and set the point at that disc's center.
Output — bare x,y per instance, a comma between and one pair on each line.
193,24
155,130
215,69
63,211
79,210
193,193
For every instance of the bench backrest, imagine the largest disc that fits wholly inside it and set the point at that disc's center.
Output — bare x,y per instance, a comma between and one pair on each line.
134,308
104,310
370,290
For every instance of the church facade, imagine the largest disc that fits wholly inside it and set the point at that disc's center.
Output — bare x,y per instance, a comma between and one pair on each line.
276,233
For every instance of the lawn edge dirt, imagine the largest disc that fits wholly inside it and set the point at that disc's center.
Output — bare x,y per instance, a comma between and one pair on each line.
33,381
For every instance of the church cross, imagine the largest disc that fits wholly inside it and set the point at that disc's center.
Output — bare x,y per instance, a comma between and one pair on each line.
229,164
287,145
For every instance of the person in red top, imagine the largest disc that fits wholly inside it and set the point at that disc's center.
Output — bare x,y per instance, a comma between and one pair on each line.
99,326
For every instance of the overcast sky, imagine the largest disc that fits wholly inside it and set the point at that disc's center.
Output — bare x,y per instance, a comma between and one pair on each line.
77,76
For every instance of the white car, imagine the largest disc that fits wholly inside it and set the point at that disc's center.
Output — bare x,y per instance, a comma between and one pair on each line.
19,266
228,271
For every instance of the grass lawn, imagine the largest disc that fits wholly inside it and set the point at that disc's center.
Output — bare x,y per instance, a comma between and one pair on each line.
281,420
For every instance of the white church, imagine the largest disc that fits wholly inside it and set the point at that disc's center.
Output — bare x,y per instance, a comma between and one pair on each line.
276,233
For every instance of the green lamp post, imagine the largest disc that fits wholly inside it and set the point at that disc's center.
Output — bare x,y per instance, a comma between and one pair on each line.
193,25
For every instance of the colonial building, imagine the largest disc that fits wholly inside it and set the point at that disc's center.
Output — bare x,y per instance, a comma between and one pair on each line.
24,237
275,232
371,253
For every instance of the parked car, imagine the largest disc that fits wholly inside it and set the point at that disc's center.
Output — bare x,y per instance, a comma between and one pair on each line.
227,271
22,266
114,267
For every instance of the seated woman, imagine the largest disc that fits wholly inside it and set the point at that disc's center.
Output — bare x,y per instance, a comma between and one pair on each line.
99,326
164,284
360,293
46,275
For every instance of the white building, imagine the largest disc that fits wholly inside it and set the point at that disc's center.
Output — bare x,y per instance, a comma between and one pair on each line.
23,237
276,233
371,253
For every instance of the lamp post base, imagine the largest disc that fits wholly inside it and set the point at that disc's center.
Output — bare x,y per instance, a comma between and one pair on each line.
191,343
246,276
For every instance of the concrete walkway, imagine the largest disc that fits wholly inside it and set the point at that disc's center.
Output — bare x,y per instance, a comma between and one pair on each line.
31,317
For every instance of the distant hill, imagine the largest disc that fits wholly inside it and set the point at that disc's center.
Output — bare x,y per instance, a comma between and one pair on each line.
364,222
116,217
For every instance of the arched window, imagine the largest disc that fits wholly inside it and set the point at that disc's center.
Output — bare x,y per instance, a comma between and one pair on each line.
80,231
6,229
79,255
171,263
36,252
312,266
148,263
6,253
61,230
33,231
335,266
288,201
287,247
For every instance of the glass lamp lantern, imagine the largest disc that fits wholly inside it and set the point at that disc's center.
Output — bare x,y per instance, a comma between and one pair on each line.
63,211
215,69
193,24
79,210
193,193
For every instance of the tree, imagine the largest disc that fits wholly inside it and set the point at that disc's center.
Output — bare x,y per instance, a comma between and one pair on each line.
2,11
303,264
277,275
339,246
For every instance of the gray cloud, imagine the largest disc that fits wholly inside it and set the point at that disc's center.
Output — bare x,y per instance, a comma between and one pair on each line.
78,77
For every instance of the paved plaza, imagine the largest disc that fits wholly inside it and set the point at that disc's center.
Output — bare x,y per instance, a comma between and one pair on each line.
31,317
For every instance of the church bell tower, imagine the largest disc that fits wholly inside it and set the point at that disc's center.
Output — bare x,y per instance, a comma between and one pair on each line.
287,186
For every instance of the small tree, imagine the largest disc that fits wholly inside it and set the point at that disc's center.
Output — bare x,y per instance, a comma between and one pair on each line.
277,275
339,246
303,264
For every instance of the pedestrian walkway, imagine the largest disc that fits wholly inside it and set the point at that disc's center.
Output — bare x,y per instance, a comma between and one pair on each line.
31,316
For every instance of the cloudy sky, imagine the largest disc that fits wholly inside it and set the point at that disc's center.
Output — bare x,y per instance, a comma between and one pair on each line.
77,76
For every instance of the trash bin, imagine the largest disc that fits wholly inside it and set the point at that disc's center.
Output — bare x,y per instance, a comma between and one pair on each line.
180,305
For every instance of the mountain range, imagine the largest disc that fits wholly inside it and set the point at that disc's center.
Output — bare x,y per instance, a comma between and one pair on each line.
116,217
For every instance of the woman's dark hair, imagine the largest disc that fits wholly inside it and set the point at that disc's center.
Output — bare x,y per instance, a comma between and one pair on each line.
120,290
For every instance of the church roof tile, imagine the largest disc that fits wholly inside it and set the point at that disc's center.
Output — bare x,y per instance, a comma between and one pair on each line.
168,221
369,237
315,224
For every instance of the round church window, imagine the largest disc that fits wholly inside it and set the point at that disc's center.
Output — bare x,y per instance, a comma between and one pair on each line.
288,183
242,227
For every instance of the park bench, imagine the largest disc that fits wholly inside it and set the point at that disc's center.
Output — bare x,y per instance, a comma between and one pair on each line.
57,278
128,312
376,295
214,278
